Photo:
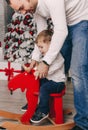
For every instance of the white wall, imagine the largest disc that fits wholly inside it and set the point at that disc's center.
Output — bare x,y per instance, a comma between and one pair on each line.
5,17
2,20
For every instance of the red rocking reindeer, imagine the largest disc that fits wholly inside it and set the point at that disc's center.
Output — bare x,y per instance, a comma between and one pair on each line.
26,81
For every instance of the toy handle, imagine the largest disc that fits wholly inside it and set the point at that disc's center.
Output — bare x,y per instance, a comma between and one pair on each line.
27,65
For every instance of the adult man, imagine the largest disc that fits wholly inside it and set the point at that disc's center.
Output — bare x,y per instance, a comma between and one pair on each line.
69,17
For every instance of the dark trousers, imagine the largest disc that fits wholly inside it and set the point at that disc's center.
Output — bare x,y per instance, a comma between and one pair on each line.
46,88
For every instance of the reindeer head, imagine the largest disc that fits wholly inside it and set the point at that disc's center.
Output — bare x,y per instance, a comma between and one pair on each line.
23,81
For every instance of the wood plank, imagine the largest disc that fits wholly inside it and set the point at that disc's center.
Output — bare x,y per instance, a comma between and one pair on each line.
12,126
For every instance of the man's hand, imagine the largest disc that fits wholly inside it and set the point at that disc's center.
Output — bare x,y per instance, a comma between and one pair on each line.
36,74
42,70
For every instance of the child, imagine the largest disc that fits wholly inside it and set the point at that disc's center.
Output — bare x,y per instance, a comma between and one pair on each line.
53,82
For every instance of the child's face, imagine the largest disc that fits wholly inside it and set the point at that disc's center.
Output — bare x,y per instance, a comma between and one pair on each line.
43,46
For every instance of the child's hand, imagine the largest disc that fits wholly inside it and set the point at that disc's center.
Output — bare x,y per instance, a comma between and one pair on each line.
27,69
32,65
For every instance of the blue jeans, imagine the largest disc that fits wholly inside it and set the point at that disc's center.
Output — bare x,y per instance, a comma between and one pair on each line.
66,52
46,88
78,35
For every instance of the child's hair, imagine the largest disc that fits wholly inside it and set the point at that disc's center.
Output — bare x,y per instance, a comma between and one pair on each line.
46,34
8,1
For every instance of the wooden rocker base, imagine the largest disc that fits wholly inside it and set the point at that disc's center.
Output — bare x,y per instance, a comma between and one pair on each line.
13,126
10,115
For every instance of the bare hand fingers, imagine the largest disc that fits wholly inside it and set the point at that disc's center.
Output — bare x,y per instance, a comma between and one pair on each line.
42,75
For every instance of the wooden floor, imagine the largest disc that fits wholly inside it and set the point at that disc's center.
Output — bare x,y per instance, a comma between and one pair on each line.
13,103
